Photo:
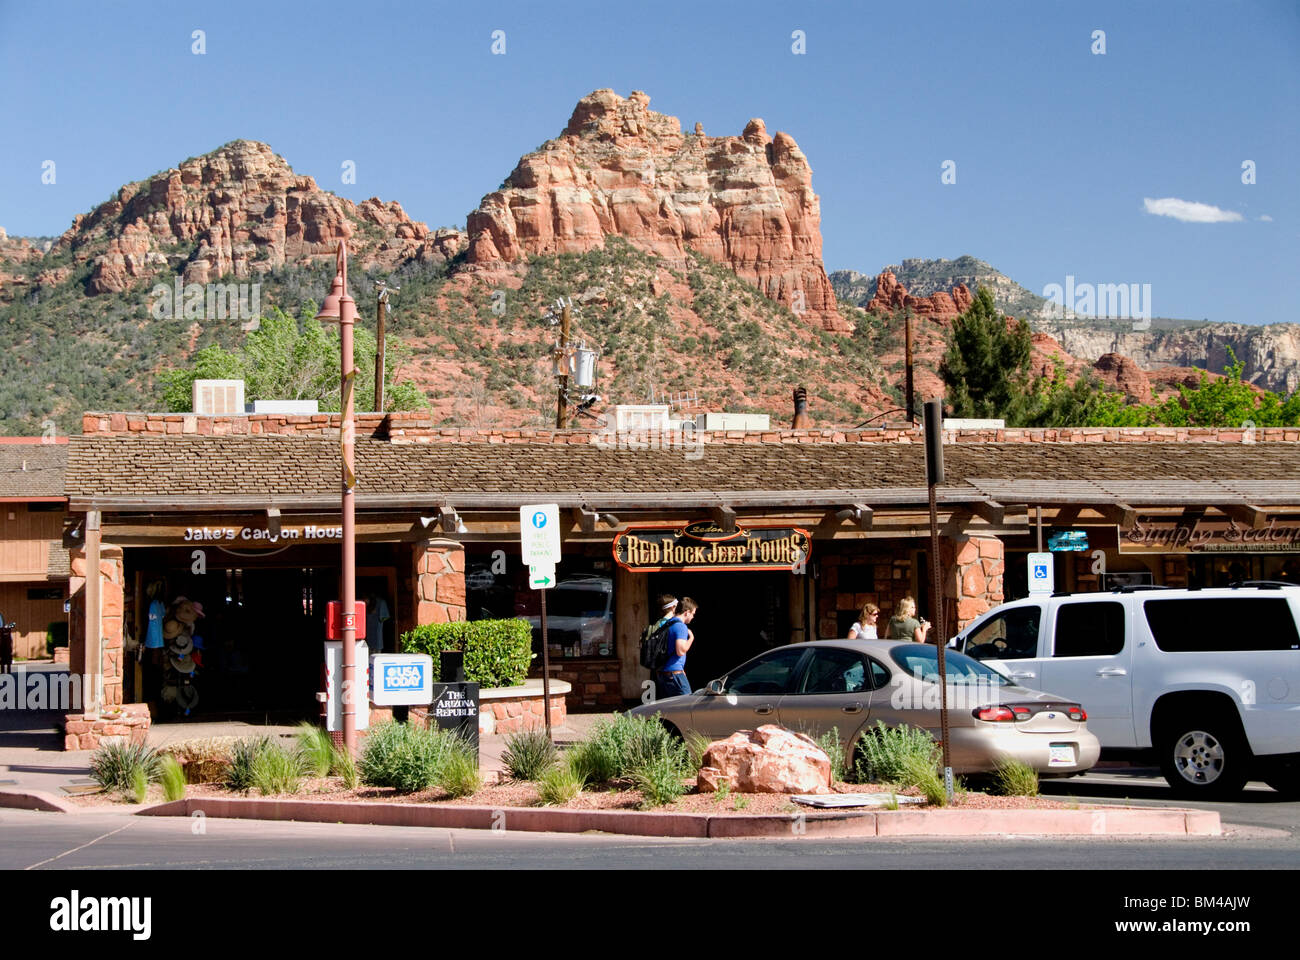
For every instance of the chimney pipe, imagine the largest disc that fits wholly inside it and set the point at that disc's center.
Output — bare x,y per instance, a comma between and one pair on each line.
801,419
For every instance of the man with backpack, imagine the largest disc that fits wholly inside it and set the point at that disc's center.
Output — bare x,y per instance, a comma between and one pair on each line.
670,678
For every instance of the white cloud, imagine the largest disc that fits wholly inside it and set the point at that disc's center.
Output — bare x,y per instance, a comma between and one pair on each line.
1265,218
1189,211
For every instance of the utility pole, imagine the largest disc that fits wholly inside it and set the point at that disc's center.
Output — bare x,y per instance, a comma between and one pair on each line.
562,356
381,311
907,363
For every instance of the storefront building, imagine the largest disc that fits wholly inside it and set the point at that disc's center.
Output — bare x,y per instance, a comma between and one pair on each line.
780,536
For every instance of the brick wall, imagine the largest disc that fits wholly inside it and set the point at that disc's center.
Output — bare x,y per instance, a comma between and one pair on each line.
416,427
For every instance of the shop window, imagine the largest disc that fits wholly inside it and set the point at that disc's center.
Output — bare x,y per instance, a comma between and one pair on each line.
45,593
857,578
1094,629
45,507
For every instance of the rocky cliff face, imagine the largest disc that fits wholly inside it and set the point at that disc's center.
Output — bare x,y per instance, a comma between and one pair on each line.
621,168
923,278
1271,354
239,211
891,297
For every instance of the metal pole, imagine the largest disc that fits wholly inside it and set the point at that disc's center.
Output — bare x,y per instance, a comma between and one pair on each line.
546,670
561,411
935,476
381,309
1038,520
348,587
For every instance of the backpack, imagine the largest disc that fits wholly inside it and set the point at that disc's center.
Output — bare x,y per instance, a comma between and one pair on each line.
654,645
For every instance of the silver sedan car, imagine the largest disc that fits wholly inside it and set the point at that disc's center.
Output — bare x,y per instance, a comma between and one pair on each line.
850,684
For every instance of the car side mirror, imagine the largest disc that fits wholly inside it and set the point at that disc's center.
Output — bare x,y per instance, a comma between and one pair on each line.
714,688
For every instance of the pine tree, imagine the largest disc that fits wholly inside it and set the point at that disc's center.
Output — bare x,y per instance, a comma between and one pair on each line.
986,366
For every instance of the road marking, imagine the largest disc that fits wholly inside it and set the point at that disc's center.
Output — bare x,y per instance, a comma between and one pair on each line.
75,849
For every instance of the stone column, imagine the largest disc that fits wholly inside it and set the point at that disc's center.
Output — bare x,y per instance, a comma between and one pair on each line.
83,732
439,596
973,570
631,616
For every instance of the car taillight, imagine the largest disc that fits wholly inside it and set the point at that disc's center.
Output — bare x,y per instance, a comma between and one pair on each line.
1077,713
1022,713
994,714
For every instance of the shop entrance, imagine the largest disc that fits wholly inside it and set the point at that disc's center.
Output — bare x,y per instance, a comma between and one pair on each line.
256,626
741,614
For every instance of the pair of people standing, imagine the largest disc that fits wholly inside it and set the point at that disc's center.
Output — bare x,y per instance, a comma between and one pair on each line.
670,680
902,626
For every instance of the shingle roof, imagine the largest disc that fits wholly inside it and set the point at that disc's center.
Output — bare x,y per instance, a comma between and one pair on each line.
32,469
210,471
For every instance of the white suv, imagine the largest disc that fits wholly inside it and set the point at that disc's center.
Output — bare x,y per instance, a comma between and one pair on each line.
1208,678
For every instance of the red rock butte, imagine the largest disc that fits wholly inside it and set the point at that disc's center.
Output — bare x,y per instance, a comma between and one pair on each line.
620,168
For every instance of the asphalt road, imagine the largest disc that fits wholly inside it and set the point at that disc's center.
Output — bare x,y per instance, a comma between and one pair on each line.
1264,834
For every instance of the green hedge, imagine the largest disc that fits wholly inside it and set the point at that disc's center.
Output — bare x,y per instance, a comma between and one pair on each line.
497,652
56,635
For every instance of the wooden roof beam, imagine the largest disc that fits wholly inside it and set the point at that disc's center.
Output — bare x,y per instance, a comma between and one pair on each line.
1246,514
724,515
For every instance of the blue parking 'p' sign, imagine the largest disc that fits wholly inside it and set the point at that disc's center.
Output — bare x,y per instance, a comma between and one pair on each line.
539,519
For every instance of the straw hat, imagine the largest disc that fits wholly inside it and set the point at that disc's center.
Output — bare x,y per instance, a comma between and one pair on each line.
186,612
169,692
172,629
182,665
182,646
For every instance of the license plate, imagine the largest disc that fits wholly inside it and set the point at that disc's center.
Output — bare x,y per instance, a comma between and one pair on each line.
1060,755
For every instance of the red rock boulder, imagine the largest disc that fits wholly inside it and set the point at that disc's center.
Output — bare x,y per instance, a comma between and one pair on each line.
770,759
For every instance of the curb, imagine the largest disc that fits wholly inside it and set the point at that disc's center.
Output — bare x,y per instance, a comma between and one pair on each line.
1110,821
36,800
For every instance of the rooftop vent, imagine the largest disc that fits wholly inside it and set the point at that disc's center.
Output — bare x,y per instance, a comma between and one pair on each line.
214,398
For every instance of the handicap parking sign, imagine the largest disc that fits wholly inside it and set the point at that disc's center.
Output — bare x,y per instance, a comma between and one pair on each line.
1041,579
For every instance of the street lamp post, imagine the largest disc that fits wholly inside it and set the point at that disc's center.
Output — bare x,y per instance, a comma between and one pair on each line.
341,308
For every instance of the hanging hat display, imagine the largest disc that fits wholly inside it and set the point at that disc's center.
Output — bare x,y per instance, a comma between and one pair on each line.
172,629
169,693
182,665
182,646
186,612
187,697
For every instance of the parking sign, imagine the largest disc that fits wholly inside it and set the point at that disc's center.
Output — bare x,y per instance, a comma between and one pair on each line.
539,534
1041,574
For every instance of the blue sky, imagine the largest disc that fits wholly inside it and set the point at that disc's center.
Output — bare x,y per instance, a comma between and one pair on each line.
1055,148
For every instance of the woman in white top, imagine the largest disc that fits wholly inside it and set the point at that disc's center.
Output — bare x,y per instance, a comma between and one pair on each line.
865,627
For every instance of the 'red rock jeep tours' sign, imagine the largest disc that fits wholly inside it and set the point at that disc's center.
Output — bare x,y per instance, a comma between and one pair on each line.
704,545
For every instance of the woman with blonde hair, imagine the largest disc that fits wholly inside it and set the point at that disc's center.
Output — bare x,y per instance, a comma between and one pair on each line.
864,628
903,625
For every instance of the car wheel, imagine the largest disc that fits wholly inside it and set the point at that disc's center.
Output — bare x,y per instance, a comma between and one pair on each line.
1284,777
1204,757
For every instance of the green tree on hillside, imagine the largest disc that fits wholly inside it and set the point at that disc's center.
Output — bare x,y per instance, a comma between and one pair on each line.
288,358
986,366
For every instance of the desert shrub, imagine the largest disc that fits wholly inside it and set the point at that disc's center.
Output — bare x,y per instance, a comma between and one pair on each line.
529,754
921,772
697,745
405,757
833,748
276,770
316,748
172,777
497,652
139,785
458,773
659,778
649,746
615,748
883,751
1015,778
203,759
120,766
345,767
239,772
560,784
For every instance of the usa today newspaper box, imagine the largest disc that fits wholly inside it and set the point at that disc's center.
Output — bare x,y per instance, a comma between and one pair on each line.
406,679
